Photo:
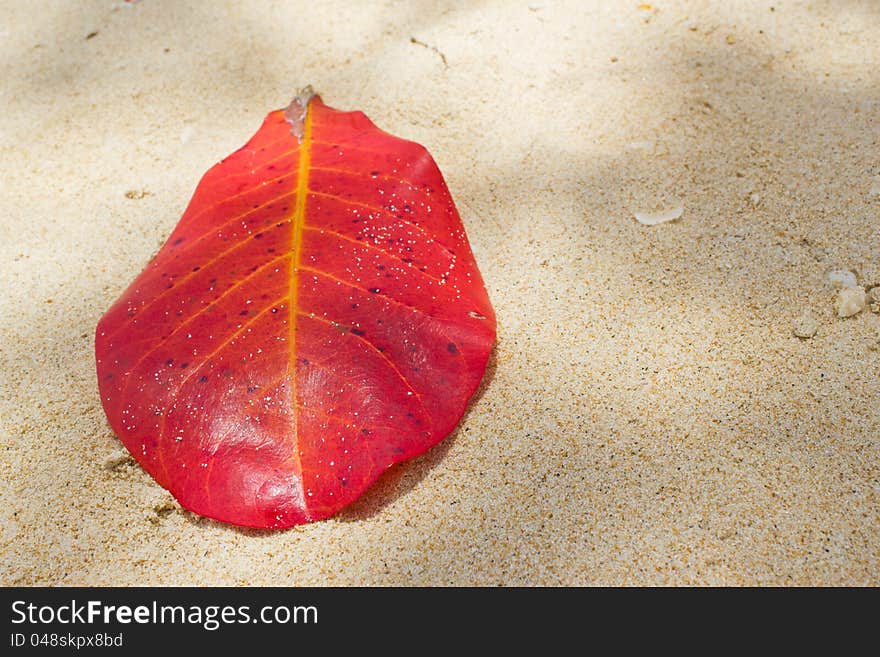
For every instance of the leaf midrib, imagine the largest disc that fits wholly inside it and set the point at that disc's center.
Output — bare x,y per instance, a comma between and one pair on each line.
297,225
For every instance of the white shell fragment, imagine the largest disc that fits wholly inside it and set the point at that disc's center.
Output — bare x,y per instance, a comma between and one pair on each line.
805,326
842,278
850,301
640,145
186,134
652,218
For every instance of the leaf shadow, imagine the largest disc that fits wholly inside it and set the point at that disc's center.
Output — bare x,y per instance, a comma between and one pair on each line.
251,532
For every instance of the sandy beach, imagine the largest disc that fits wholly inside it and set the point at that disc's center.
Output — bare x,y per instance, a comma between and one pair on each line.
650,414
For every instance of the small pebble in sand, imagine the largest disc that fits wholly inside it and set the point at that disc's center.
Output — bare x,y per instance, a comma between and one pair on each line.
842,278
136,194
850,301
117,458
755,198
874,298
159,509
874,191
805,326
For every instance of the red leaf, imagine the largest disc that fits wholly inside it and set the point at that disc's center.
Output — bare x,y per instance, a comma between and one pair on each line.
315,317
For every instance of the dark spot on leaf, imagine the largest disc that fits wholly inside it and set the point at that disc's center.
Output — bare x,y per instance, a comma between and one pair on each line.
202,379
251,389
183,366
366,432
169,362
452,349
357,331
243,312
375,290
177,241
258,236
195,269
354,305
374,173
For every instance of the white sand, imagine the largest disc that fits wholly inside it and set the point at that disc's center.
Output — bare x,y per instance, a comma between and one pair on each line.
651,417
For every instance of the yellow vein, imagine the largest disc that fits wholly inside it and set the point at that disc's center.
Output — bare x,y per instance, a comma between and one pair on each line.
226,342
299,219
398,302
360,174
369,245
156,264
385,211
189,319
261,185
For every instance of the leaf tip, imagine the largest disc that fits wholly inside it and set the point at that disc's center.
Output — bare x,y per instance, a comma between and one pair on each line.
296,112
